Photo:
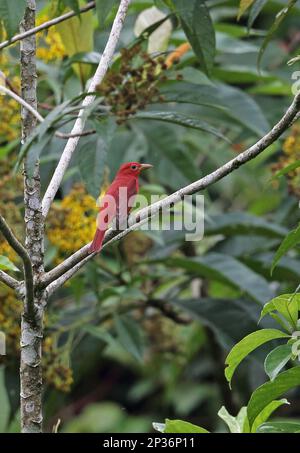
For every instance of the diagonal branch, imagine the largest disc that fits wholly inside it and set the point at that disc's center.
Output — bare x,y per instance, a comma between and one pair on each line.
101,70
8,280
64,271
45,25
22,252
36,114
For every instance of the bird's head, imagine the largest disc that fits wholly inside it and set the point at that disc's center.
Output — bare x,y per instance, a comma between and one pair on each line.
133,168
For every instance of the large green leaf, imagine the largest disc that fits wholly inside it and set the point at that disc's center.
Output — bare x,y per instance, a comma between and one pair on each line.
264,415
235,103
7,265
228,270
289,242
277,359
246,346
181,120
77,36
179,427
92,157
234,223
269,391
198,27
279,427
12,12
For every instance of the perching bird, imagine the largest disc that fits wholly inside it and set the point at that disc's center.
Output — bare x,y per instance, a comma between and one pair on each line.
116,199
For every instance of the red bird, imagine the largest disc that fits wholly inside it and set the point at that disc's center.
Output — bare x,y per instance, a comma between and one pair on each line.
115,201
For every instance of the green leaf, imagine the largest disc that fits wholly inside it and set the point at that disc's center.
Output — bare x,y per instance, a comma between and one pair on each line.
246,346
12,12
286,304
77,36
7,265
289,242
277,22
100,333
103,8
277,359
286,169
255,10
130,336
243,109
198,28
93,155
72,4
181,120
264,415
4,403
181,427
233,223
279,427
244,5
235,424
226,269
269,391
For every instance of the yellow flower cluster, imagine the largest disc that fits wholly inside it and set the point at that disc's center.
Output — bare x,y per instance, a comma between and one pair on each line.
9,108
56,373
10,312
49,43
291,153
59,375
72,223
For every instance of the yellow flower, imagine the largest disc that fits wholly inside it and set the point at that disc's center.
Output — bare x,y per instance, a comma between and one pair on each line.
49,43
72,223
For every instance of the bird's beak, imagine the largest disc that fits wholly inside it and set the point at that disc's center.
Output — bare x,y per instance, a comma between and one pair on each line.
145,167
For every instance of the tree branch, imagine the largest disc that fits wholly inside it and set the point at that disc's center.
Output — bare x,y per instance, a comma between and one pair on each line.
36,114
8,280
61,273
45,25
102,68
22,252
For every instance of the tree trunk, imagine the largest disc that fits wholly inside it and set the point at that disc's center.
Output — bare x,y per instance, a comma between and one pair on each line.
31,326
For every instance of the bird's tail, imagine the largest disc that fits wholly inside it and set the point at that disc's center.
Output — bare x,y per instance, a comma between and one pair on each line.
97,241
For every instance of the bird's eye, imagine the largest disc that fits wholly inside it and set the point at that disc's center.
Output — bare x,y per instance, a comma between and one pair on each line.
133,167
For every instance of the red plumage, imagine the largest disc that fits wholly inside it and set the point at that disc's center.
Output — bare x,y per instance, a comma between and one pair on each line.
115,202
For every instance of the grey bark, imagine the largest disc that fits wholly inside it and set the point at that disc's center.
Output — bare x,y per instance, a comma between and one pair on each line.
32,317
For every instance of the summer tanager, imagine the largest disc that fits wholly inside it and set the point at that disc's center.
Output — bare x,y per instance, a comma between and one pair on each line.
118,199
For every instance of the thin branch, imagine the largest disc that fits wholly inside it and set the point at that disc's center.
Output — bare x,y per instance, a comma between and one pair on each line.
61,273
45,25
21,101
22,252
39,117
102,68
82,134
8,280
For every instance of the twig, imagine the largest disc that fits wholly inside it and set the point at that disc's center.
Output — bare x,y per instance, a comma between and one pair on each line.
21,101
45,25
71,265
22,252
39,117
8,280
102,68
